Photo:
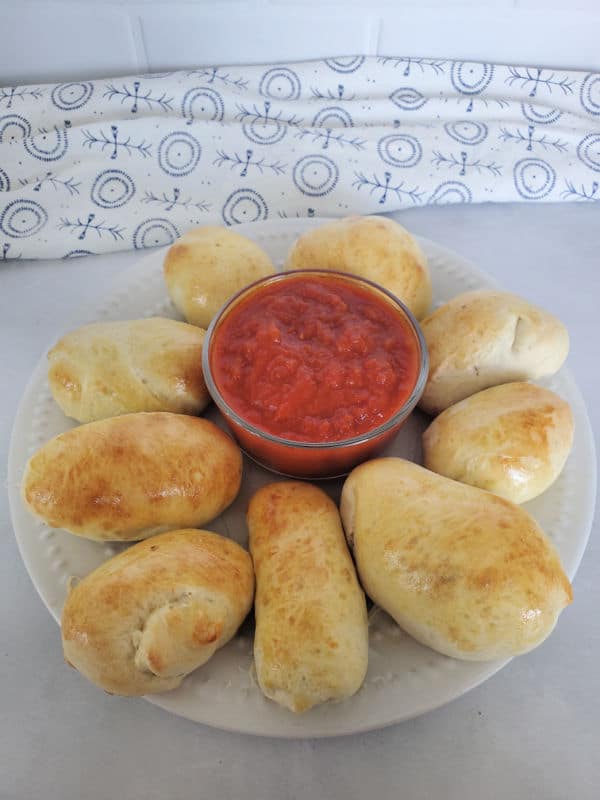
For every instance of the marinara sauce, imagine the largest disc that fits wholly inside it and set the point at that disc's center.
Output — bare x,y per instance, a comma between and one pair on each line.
315,359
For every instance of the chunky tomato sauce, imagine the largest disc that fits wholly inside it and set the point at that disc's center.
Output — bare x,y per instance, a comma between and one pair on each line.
314,359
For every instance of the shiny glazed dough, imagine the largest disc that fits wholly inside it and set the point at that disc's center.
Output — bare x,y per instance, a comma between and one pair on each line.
311,640
146,618
376,248
132,476
110,368
485,338
512,440
463,571
207,266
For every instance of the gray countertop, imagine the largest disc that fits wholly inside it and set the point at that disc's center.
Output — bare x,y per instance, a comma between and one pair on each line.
532,731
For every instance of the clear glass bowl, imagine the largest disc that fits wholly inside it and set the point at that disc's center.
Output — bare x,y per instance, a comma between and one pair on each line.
313,460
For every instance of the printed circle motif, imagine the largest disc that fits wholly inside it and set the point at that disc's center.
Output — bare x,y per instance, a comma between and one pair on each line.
408,99
13,120
69,96
590,94
345,65
47,145
466,131
261,132
539,114
112,189
451,192
204,103
471,77
332,117
588,151
179,153
400,150
4,181
154,232
77,254
244,205
533,178
280,83
22,218
315,175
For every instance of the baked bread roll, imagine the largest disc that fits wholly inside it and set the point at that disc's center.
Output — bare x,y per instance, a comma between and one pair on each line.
146,618
129,477
375,248
207,266
110,368
512,440
484,338
311,640
461,570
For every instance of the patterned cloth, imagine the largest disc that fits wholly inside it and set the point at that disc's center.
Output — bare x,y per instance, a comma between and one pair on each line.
95,166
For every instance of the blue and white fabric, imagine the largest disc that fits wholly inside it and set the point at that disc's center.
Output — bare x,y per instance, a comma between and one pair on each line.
95,166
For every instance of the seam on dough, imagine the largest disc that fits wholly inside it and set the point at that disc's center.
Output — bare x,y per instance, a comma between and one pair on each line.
137,634
515,347
140,376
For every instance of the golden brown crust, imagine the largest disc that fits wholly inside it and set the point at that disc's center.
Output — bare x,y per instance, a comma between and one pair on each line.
374,247
147,617
128,477
512,440
311,641
207,266
110,368
484,338
463,571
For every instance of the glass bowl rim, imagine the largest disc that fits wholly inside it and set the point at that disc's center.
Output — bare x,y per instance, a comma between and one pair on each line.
396,419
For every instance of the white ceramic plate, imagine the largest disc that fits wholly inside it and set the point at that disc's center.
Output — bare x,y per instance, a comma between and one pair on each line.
404,678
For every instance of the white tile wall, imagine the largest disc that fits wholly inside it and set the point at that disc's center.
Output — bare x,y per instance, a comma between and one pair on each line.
231,34
46,40
543,38
49,41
